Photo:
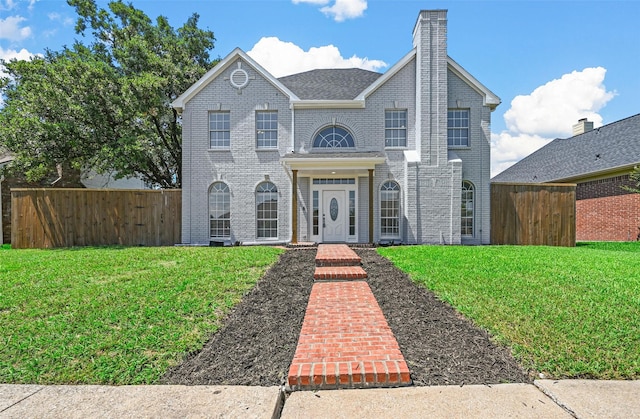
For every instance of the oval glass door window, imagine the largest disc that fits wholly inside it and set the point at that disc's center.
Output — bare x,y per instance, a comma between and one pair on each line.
333,209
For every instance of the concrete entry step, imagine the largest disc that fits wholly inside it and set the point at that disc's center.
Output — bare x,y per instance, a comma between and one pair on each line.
345,342
339,273
336,255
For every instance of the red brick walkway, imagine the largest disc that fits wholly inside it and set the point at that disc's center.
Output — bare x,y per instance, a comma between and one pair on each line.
345,341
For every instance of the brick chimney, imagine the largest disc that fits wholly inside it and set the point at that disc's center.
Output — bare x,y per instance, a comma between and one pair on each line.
582,126
430,41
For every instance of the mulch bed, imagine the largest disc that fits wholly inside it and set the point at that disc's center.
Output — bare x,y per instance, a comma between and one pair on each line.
258,339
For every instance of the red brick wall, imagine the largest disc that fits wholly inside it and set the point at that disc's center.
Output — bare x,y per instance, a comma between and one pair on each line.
604,211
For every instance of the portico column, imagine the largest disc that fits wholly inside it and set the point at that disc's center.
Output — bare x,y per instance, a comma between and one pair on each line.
370,205
294,208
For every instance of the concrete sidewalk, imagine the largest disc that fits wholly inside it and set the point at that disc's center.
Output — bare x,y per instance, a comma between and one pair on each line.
543,399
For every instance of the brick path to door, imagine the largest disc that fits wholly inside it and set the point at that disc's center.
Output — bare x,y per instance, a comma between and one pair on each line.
345,341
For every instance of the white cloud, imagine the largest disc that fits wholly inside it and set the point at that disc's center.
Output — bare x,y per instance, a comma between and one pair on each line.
318,2
549,112
7,4
10,29
57,17
283,58
345,9
553,108
341,9
11,54
507,149
12,4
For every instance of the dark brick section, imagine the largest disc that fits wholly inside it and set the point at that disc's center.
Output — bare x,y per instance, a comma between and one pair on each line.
601,188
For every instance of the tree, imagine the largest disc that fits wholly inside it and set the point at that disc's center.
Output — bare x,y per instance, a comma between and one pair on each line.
106,105
634,179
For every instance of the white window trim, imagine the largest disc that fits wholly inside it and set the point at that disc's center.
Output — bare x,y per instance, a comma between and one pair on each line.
406,130
399,235
209,130
473,211
277,192
271,147
209,211
468,128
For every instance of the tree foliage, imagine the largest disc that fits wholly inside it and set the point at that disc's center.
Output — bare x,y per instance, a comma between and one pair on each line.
105,105
634,178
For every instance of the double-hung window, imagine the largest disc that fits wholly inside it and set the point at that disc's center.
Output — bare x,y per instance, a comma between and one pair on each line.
458,128
267,129
395,128
219,130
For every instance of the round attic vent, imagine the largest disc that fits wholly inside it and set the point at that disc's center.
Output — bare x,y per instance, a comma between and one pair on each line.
239,78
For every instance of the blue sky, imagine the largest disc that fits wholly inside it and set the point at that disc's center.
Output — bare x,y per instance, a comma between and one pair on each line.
551,62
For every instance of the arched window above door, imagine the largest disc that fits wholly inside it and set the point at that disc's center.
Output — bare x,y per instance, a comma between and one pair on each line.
333,137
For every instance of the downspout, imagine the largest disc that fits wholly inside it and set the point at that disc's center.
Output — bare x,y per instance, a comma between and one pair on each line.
289,215
294,193
451,204
294,208
1,212
293,127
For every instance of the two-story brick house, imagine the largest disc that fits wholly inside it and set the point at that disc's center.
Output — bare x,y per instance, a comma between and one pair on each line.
339,155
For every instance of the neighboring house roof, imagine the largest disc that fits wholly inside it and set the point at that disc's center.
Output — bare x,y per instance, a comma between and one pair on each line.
330,84
5,158
610,148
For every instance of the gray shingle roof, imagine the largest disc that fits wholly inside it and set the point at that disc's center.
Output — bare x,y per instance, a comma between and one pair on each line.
611,146
330,84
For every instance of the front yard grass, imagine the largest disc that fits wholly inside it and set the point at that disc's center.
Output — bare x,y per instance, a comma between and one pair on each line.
115,315
566,312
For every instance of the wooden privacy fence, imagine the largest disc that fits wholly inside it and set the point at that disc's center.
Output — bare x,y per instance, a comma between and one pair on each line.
534,214
45,218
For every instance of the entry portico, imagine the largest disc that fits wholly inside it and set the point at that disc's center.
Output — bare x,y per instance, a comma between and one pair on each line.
334,194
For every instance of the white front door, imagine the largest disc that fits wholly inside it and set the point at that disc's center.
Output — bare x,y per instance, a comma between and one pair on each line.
334,216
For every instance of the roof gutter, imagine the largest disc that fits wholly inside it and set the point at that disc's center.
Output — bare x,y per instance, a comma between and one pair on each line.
328,104
597,174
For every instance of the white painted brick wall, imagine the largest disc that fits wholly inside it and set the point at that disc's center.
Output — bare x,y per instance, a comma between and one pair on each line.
431,189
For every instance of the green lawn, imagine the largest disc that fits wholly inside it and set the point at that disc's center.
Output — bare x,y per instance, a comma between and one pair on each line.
567,312
115,315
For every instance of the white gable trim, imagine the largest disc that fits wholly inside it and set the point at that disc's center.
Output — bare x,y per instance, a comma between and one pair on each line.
212,74
489,98
386,76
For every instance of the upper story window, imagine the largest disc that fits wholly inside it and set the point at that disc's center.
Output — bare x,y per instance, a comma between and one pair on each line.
219,129
267,129
458,128
333,137
395,128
